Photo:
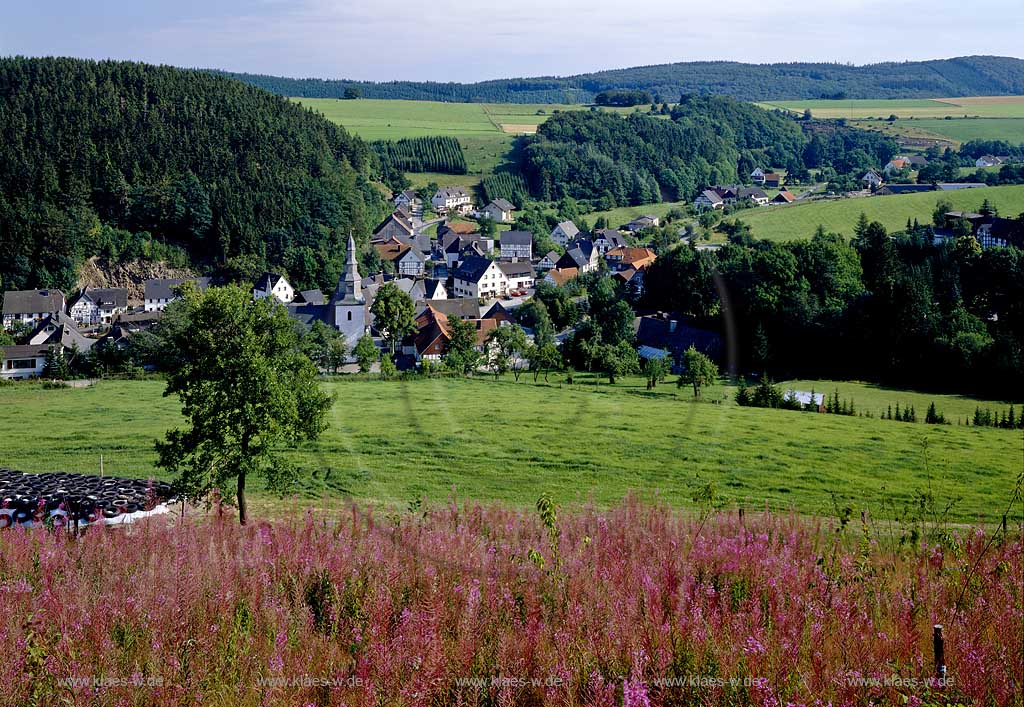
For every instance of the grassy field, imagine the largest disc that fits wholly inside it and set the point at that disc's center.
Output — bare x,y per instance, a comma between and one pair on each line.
421,179
505,441
964,129
875,399
972,106
800,220
485,130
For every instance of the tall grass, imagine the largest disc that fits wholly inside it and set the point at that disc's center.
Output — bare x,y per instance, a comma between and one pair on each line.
476,605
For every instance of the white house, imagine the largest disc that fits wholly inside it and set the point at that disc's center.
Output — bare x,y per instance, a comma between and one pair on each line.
29,306
434,290
757,176
99,305
479,277
500,211
347,305
754,194
642,222
581,255
452,199
549,260
988,161
20,362
708,199
517,245
564,232
607,238
59,328
407,199
161,291
406,259
271,284
519,275
896,164
871,179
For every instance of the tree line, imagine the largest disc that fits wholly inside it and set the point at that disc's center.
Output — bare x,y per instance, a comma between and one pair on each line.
885,307
206,165
439,153
609,160
505,185
962,76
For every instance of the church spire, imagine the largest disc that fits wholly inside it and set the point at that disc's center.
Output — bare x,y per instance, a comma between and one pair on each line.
350,288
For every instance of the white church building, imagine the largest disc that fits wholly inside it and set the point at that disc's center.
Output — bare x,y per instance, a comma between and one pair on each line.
348,306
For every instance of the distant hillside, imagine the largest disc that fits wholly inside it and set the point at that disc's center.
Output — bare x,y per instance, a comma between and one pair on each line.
128,161
609,160
961,76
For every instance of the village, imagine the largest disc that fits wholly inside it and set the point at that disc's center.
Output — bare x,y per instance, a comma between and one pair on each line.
448,268
459,273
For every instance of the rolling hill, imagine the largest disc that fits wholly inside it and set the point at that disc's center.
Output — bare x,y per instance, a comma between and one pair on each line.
960,76
131,160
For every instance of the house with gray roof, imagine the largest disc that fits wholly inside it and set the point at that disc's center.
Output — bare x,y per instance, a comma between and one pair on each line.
549,261
448,199
479,277
22,361
581,255
516,245
160,292
606,239
271,284
59,329
29,306
519,274
708,199
564,233
500,211
98,305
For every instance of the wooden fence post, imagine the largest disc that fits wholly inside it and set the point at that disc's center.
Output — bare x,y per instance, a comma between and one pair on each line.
939,647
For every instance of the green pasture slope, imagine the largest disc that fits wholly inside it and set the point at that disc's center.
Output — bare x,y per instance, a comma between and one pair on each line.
974,106
391,442
800,220
964,129
485,130
957,119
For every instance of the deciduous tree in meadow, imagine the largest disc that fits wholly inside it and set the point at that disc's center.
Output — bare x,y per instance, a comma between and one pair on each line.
699,370
245,387
503,344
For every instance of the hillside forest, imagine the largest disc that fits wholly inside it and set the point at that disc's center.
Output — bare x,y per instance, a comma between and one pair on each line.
129,160
960,76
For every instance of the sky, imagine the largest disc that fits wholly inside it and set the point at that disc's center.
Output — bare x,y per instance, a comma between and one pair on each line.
463,40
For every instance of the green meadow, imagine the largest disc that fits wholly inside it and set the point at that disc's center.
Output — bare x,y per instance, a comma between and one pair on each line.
486,131
972,106
392,442
964,129
800,220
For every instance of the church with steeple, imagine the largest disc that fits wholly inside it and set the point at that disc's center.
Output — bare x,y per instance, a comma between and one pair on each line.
348,306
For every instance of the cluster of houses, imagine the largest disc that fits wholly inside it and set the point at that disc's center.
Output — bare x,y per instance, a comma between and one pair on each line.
718,197
459,272
873,180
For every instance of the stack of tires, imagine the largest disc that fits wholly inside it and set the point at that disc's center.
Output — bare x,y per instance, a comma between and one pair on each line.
60,498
